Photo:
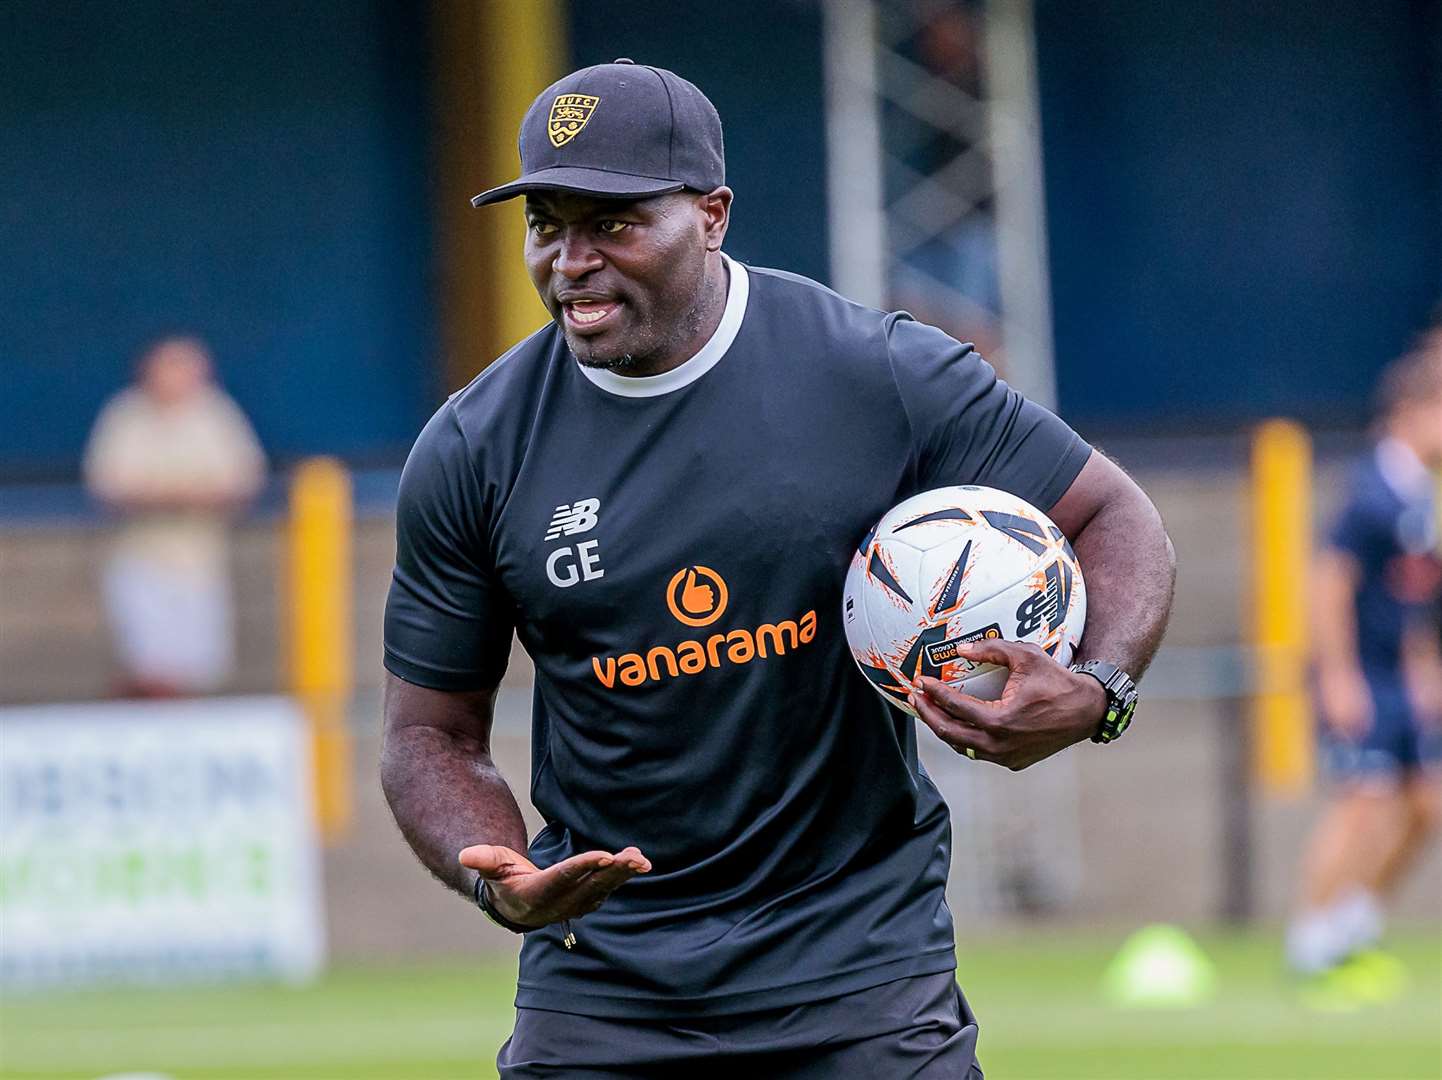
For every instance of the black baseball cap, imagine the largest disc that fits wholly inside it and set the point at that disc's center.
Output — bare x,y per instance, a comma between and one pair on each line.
621,131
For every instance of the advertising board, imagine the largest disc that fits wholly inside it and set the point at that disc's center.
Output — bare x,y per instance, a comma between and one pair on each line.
157,842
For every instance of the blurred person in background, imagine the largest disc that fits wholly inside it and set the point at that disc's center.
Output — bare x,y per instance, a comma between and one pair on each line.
175,457
1379,688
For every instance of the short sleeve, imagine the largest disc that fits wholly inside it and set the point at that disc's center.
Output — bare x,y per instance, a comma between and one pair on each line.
102,450
241,452
970,427
115,456
448,619
1365,526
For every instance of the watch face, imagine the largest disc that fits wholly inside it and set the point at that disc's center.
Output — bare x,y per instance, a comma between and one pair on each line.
1121,697
1127,707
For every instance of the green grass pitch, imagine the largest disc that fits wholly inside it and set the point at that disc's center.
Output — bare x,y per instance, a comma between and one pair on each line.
1042,1018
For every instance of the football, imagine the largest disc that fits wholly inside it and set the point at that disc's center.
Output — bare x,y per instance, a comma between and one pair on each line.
955,565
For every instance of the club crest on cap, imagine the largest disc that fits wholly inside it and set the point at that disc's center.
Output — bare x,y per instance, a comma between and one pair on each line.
569,113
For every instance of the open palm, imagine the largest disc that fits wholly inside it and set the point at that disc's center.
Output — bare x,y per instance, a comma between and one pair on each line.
577,886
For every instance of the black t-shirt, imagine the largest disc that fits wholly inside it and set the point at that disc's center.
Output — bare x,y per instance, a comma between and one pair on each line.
671,551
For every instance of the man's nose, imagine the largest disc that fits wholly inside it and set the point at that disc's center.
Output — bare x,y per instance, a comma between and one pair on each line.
575,255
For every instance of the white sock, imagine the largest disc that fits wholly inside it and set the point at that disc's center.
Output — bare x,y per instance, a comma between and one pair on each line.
1313,944
1359,920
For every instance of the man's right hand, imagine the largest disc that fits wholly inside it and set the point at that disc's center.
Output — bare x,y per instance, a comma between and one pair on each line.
574,887
1345,701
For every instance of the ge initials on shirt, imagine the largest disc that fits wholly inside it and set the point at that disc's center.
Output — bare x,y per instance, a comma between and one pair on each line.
566,566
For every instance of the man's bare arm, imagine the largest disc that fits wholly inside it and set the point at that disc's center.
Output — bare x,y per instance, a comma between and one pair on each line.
1336,577
438,776
1130,571
461,819
1422,671
1128,561
1343,698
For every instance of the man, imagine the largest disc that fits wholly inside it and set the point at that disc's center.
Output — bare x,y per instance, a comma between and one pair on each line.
1379,689
174,456
643,490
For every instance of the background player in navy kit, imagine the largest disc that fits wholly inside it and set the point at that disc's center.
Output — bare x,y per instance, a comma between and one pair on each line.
1379,681
695,446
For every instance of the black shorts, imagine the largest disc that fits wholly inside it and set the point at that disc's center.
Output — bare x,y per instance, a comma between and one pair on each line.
920,1027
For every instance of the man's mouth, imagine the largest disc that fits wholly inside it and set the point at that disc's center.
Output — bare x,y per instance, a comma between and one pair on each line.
589,315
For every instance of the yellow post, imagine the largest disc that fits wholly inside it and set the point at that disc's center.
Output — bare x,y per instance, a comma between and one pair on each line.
520,52
318,602
1281,540
490,58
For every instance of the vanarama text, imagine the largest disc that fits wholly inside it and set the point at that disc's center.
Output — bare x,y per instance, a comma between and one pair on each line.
694,657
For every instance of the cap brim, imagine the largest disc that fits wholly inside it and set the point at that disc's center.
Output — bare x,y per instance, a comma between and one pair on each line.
598,182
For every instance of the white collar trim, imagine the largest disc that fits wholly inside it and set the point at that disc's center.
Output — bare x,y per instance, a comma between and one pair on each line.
710,354
1401,468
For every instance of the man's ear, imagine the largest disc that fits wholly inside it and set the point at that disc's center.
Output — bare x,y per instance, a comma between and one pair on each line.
716,210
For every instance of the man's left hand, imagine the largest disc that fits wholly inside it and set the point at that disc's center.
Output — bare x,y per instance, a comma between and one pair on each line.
1043,708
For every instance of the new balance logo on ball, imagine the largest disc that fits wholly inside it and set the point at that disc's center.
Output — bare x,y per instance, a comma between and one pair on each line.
572,518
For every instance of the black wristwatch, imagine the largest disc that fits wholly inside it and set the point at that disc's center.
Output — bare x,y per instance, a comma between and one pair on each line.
1121,698
483,901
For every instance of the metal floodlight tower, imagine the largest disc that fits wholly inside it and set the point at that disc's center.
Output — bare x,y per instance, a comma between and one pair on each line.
885,204
914,159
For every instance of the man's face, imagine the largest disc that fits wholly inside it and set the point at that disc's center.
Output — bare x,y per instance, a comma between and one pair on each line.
625,279
175,371
1425,418
1420,418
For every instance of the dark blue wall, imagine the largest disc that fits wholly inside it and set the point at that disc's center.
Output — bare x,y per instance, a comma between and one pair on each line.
252,171
1244,200
759,61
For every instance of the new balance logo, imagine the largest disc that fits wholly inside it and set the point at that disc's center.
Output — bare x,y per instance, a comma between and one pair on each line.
572,518
567,566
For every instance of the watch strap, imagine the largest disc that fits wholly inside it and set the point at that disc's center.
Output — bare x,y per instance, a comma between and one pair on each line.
486,903
482,893
1121,694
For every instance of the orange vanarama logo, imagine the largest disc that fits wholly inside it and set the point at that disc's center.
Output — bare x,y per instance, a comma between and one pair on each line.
569,113
697,596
